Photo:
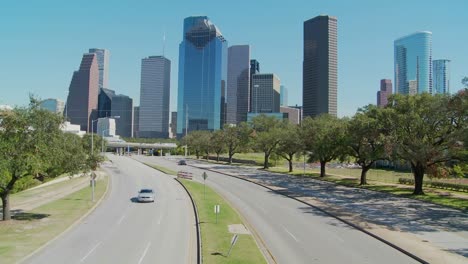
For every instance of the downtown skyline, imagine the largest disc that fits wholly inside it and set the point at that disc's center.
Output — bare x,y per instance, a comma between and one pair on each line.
361,45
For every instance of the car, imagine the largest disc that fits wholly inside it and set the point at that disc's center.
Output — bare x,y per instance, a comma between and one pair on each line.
146,195
182,162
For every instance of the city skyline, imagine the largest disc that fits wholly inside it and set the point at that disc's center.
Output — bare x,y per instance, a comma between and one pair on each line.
140,37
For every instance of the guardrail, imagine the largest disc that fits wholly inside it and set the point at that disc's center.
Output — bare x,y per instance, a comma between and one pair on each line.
184,175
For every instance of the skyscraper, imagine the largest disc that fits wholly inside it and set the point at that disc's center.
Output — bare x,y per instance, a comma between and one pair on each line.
202,76
105,102
413,63
122,107
82,99
265,93
320,77
173,125
283,96
441,75
103,64
384,93
154,97
254,69
238,83
136,121
53,105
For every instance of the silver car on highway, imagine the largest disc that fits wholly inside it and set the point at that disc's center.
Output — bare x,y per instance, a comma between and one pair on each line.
146,195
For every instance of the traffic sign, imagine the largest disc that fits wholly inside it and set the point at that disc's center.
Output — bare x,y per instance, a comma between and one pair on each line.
233,242
204,175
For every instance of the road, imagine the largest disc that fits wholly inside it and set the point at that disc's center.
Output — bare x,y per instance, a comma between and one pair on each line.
123,231
292,231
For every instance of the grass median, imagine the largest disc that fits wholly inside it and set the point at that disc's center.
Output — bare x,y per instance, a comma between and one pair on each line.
216,238
161,169
32,229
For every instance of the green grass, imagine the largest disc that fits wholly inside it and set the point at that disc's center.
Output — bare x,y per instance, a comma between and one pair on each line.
216,238
30,230
161,169
432,195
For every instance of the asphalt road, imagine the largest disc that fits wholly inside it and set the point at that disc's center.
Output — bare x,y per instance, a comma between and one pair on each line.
292,231
123,231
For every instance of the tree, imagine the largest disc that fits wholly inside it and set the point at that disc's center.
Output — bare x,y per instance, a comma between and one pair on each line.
266,136
198,141
425,131
324,137
218,143
236,138
465,82
366,138
25,146
93,154
290,143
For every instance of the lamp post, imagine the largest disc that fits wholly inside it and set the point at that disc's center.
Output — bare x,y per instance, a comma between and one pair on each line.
102,140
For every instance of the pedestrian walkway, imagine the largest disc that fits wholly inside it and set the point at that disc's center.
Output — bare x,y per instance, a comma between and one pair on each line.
430,231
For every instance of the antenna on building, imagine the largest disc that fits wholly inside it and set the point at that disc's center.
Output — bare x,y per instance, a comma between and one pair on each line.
164,43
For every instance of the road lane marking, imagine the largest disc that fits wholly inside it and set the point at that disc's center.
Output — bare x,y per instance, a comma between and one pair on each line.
160,218
144,253
90,252
121,219
290,234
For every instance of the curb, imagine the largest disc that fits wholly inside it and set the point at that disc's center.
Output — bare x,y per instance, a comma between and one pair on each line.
197,222
104,195
327,213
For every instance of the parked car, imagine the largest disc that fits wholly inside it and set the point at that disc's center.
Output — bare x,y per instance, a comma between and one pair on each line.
182,162
146,195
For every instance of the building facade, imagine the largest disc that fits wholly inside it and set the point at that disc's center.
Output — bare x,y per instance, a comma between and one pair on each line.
384,93
122,110
413,63
254,69
82,101
106,127
53,105
155,88
103,65
238,83
294,114
173,125
441,75
265,93
136,121
320,66
105,102
202,76
283,96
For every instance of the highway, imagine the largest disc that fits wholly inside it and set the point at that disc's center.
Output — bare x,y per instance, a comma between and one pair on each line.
291,231
123,231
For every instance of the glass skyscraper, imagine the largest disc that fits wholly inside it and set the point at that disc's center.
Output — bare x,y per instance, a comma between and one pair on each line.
202,76
103,64
441,75
413,63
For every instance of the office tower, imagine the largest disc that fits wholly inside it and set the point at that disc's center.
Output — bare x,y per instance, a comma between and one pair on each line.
202,76
320,77
122,110
254,69
106,127
238,83
413,63
105,102
103,64
265,93
294,114
441,75
82,99
173,124
136,120
384,93
154,97
283,96
53,105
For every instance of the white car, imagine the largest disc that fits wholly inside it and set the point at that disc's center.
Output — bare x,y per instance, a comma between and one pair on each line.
146,195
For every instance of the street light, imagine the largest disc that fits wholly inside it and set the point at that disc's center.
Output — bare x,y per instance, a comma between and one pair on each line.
102,140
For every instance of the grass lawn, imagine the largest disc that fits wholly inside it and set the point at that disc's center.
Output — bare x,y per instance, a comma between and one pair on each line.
30,230
216,238
161,169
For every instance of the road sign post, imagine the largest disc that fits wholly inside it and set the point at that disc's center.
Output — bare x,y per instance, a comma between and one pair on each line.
216,210
204,175
93,184
233,242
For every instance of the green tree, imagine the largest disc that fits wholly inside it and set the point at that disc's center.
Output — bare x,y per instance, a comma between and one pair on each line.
92,146
266,136
465,82
198,141
366,138
25,137
424,131
218,143
236,138
290,143
324,137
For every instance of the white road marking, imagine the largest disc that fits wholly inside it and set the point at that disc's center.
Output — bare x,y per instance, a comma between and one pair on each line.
90,252
160,218
144,253
290,234
121,219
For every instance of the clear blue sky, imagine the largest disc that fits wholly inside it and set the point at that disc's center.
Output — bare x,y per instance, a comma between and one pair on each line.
41,42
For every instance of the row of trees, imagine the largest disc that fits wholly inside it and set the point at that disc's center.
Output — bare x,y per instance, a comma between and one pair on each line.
34,148
423,130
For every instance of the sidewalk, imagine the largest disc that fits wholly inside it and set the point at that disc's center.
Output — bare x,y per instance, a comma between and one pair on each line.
434,233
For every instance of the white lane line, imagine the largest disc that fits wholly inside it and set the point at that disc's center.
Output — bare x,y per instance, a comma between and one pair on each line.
121,219
144,253
290,234
160,218
90,252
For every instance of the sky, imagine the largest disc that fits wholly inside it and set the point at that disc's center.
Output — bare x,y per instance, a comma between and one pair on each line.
42,42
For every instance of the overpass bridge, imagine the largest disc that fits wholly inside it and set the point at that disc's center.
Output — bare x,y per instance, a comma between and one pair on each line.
123,146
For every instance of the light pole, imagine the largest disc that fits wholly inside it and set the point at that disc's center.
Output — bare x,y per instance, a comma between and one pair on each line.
102,140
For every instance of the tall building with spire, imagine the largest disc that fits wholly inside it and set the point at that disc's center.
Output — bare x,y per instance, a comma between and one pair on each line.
202,76
320,66
82,101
